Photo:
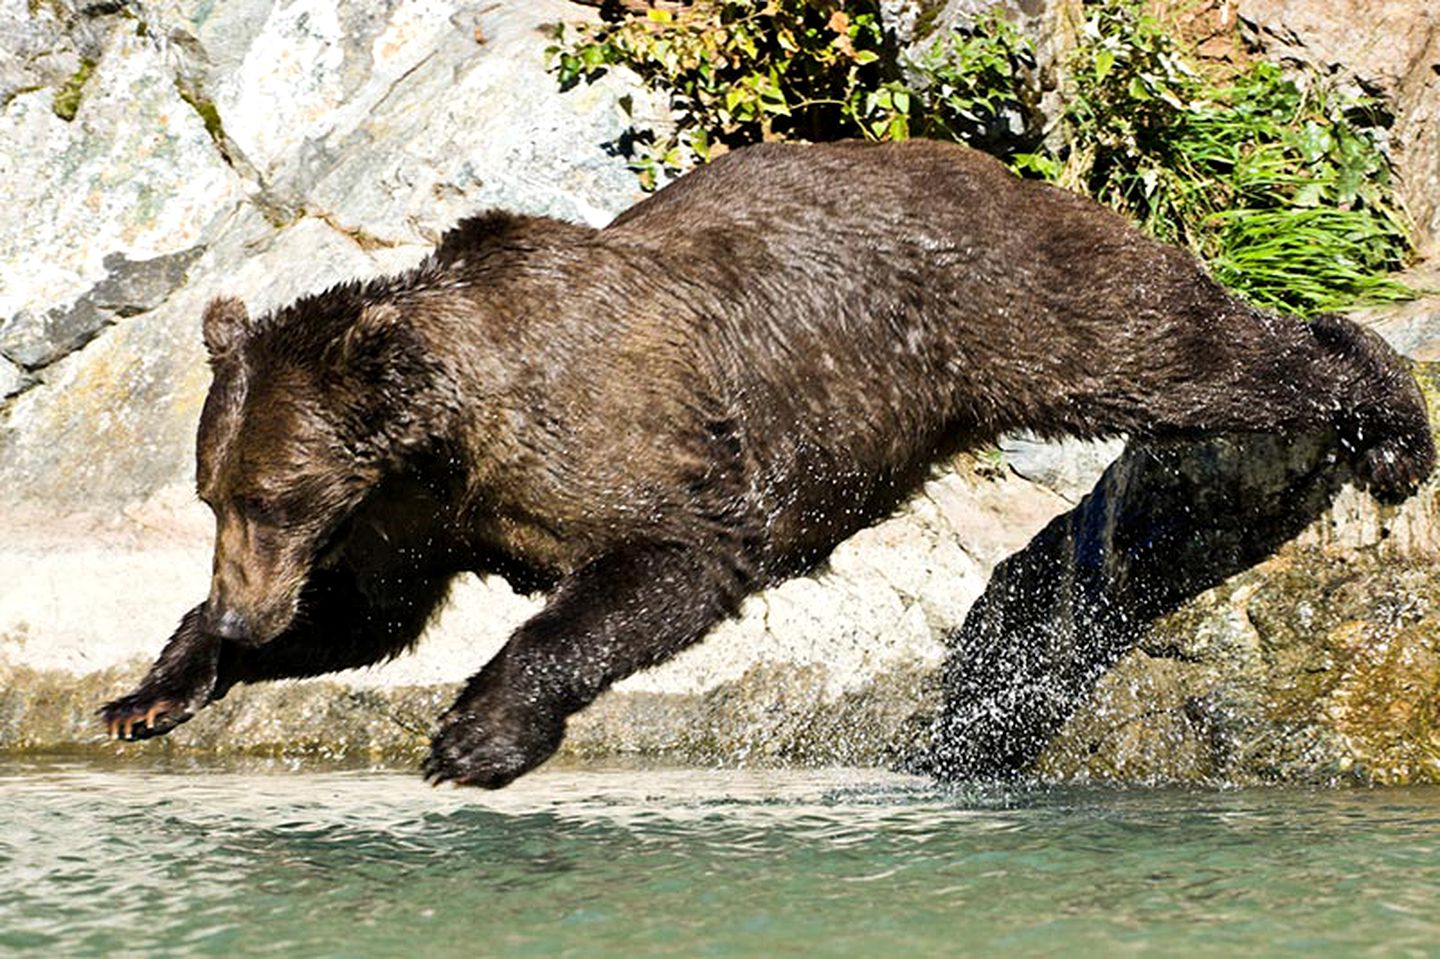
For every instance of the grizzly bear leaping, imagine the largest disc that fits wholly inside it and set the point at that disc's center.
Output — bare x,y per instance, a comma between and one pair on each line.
652,420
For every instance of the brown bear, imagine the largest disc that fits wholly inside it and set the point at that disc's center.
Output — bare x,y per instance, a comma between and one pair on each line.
651,420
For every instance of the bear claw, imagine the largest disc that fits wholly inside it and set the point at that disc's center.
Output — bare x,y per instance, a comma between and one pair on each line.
1392,470
131,719
470,752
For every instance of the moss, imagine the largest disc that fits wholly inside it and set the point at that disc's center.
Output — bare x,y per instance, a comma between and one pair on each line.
56,9
362,238
6,100
67,99
205,109
1427,374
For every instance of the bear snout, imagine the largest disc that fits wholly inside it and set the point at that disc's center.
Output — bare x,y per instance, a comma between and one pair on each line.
227,624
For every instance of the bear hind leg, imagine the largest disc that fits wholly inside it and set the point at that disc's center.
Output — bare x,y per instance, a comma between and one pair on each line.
1257,373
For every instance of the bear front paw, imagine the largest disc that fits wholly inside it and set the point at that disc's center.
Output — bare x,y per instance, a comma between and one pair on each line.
141,716
491,748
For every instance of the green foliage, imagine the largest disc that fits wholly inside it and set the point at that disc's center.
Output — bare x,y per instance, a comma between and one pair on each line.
744,71
741,71
973,85
1283,190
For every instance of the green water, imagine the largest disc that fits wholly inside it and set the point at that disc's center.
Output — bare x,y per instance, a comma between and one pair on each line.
157,861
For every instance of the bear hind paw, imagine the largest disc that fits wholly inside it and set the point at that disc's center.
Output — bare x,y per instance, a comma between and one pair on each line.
1394,468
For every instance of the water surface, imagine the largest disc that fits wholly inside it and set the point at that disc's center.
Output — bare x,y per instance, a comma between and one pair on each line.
157,860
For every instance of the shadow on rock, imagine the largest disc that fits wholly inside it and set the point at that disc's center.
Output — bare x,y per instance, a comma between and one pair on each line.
1164,523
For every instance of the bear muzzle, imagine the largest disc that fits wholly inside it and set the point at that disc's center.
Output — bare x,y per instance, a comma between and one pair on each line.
226,624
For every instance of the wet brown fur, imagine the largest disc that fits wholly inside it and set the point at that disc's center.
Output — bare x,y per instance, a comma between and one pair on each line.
652,420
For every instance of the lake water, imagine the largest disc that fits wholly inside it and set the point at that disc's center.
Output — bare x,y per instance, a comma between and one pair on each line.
168,860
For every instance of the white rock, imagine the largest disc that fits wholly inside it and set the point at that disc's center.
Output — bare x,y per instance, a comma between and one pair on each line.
134,172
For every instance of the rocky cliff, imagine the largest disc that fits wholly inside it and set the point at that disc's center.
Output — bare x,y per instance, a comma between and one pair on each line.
154,154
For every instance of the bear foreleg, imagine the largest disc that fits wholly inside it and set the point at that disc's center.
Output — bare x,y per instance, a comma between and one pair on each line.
180,683
623,612
340,626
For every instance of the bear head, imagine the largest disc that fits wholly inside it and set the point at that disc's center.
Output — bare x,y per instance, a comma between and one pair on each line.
308,410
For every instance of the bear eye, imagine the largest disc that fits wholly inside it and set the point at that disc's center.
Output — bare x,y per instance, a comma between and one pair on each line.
264,510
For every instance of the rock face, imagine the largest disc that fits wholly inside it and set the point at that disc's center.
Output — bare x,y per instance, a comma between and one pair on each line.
156,153
254,148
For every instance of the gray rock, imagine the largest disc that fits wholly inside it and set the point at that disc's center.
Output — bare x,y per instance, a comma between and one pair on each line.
406,118
477,125
900,19
1069,467
137,286
135,173
1414,330
1413,327
911,20
12,379
34,341
130,287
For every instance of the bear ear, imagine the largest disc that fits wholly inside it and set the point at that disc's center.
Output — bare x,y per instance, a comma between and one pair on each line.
225,325
371,336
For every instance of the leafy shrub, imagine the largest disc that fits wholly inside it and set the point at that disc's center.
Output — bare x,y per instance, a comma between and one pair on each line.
1283,191
976,85
743,71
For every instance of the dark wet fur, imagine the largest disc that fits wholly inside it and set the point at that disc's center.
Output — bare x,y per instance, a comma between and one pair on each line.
652,420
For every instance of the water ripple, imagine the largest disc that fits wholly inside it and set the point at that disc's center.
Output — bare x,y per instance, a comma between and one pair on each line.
593,863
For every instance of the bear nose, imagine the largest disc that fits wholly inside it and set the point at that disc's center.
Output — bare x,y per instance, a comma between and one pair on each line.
229,625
